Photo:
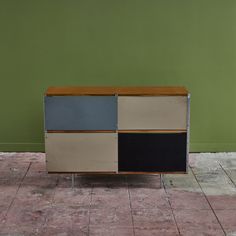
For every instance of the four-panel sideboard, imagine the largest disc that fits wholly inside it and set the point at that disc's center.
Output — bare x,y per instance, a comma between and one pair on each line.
117,129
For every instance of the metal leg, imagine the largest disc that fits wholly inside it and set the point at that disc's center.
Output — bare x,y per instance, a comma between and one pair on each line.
72,181
161,181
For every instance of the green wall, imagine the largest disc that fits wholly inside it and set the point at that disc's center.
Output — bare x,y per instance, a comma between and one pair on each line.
123,42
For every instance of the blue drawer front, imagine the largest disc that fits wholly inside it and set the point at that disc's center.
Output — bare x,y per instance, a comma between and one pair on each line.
80,113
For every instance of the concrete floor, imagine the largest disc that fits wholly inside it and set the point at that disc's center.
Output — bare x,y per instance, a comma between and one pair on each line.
202,202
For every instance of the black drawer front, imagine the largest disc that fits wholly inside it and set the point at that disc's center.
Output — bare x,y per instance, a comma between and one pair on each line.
152,152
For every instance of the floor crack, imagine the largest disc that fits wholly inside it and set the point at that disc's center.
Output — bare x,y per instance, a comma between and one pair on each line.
51,207
89,210
168,199
17,190
234,184
130,206
208,202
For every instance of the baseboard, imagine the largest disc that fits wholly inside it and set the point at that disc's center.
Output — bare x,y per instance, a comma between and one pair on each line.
194,147
213,147
22,147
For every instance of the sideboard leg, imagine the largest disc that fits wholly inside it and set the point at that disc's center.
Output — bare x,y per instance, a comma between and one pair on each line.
72,181
161,181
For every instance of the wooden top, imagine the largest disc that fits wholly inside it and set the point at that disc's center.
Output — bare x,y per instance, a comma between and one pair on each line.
128,91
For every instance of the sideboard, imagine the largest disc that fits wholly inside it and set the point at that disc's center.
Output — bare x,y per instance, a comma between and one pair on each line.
117,129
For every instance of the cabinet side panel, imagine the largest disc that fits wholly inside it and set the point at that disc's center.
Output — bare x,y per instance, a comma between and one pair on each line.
160,112
152,152
81,152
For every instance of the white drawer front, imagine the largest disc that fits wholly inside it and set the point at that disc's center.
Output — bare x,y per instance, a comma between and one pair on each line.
81,152
161,112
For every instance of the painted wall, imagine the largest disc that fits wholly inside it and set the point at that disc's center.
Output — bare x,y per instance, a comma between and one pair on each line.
125,42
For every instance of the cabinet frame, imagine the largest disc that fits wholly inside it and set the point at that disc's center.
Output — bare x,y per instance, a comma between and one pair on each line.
119,92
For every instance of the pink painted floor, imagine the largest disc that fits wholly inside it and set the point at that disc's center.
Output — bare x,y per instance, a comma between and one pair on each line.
202,202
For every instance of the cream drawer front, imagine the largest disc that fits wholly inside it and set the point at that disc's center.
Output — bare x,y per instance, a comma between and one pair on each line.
161,112
81,152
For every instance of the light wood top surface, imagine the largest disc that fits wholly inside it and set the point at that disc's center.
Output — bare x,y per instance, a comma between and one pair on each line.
125,91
